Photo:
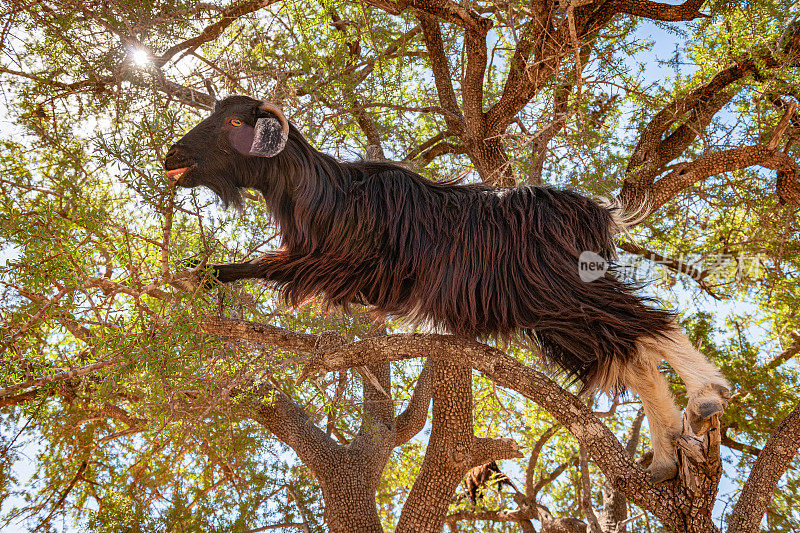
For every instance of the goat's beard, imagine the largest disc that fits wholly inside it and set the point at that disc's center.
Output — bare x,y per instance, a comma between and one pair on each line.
221,184
229,194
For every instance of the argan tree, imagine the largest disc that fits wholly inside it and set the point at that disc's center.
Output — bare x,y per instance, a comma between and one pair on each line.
137,398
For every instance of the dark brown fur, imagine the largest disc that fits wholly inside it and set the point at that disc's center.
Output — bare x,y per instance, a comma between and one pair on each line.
479,477
476,260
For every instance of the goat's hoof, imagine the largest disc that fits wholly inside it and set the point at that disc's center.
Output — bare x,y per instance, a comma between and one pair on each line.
663,471
709,401
709,408
204,277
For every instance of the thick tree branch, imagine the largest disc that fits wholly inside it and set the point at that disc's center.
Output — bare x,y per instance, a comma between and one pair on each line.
689,10
726,161
439,150
504,515
448,456
696,109
604,449
448,11
441,71
666,501
291,424
782,125
490,449
770,466
413,418
789,352
8,401
653,151
474,72
259,333
614,516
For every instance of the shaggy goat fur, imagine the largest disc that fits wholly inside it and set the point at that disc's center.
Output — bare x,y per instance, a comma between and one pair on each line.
476,260
473,259
481,476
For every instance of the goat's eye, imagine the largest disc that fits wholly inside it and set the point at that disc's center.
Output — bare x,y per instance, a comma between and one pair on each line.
235,122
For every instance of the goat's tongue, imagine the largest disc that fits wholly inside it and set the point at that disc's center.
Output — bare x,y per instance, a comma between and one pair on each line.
176,173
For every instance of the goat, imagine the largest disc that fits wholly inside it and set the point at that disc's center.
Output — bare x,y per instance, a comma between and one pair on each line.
481,476
475,260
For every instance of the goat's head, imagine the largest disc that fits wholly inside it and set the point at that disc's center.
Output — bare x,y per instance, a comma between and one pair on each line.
226,151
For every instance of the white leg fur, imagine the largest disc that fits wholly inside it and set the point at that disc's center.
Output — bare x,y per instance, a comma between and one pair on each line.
705,385
708,390
643,378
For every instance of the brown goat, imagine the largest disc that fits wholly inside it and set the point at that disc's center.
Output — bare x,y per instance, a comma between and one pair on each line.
480,477
475,260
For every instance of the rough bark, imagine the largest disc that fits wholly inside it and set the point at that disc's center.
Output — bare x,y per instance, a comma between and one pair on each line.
449,454
770,466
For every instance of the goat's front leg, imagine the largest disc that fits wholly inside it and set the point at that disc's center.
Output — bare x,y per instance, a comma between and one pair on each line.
271,266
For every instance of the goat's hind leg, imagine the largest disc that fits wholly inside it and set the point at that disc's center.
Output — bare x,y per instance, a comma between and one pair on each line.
707,389
641,376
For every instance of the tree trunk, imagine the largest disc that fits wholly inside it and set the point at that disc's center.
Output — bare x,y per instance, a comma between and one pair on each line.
349,495
448,457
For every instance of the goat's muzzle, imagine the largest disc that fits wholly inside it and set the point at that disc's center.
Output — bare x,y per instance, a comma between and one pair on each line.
177,164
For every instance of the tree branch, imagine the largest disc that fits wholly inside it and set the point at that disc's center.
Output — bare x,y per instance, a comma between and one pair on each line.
259,333
448,455
413,418
290,423
789,352
725,161
77,477
770,466
696,109
209,33
652,151
738,446
673,264
586,492
689,10
551,476
61,376
602,446
533,461
441,71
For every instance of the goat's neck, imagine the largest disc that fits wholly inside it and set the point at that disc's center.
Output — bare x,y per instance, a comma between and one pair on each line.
305,198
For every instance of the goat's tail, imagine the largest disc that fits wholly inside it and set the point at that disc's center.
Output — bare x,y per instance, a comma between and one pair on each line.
623,216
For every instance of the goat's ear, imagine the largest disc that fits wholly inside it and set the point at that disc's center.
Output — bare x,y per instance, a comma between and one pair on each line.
269,138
